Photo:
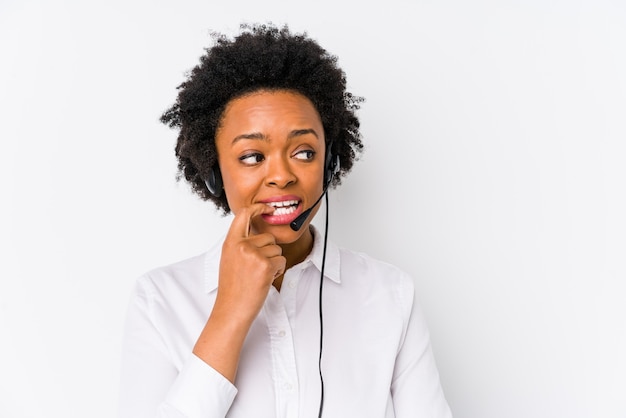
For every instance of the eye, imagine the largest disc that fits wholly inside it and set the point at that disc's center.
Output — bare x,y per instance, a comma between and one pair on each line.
306,154
251,158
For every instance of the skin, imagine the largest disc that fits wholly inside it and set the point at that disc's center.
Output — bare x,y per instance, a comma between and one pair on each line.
270,147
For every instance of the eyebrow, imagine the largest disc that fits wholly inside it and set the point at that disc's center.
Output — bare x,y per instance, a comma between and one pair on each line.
261,137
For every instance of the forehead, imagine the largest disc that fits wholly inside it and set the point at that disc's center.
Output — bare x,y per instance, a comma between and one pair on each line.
270,109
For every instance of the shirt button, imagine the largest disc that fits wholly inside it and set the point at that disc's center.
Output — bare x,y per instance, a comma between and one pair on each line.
291,284
281,333
287,386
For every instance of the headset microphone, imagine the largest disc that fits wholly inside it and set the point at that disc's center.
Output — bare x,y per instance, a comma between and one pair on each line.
297,223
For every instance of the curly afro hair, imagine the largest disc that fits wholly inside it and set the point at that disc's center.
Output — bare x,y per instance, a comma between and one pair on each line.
261,57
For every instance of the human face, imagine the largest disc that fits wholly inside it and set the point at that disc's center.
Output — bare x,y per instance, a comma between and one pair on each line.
270,147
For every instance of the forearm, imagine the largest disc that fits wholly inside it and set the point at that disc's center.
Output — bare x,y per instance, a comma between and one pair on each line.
219,345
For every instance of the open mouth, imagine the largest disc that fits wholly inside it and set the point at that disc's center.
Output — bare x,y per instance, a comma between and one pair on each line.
284,208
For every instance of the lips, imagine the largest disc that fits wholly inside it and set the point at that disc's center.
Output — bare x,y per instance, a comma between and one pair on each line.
286,209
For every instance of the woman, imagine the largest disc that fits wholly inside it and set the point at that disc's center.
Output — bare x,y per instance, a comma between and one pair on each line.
273,321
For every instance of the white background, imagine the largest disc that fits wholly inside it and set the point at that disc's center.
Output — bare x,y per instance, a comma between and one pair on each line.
494,173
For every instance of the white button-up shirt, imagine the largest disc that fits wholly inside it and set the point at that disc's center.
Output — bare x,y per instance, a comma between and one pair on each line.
376,362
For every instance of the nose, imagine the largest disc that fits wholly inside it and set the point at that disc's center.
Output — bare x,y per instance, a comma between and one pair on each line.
279,173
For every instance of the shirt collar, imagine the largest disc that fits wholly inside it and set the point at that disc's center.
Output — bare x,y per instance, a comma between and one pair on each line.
332,269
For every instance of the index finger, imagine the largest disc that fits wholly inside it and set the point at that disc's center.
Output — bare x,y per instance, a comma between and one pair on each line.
241,224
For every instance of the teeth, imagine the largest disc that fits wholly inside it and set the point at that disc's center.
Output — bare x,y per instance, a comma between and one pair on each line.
284,203
284,207
284,210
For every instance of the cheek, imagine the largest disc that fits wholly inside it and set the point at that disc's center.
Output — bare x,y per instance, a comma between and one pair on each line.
316,182
240,190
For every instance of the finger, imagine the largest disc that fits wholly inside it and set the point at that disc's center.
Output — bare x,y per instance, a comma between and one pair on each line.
261,240
270,251
241,224
278,263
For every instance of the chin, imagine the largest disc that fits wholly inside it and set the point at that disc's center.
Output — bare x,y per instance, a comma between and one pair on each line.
283,233
289,236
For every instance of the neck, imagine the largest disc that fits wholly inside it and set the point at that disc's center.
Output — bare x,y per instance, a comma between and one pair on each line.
296,252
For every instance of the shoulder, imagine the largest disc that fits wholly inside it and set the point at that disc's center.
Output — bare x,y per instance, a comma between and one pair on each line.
188,275
365,274
177,271
363,267
172,281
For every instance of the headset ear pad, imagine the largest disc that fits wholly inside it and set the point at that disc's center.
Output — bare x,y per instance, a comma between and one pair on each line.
332,168
214,182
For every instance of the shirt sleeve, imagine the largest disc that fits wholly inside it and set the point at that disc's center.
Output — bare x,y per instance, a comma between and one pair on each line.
151,385
416,389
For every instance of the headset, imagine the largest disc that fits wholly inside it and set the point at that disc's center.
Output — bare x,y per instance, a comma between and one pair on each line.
332,165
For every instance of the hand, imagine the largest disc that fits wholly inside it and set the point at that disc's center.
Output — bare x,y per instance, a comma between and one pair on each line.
248,266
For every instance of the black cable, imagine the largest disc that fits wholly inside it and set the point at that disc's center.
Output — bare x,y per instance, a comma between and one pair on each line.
319,364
